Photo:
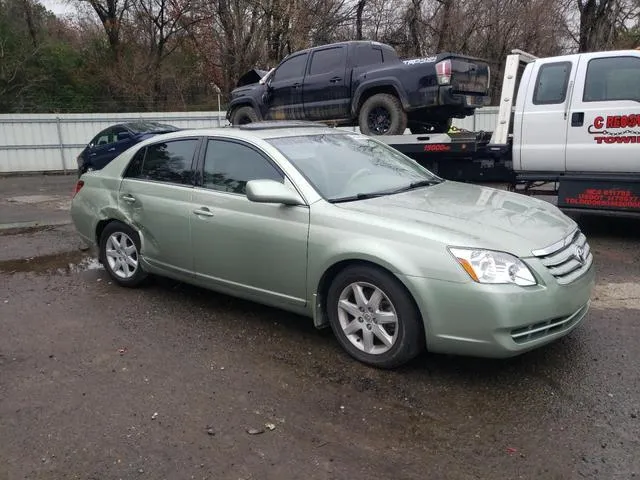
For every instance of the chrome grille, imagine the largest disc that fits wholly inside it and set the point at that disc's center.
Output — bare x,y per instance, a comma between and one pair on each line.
567,259
539,330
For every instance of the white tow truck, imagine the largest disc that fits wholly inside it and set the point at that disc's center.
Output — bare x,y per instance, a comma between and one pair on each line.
572,130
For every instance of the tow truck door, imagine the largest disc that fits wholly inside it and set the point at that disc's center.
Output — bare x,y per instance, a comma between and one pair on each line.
545,118
604,119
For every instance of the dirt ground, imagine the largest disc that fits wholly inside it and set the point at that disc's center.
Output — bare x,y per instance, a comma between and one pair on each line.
175,382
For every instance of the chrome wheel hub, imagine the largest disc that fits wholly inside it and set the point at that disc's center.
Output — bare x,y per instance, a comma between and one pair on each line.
121,255
368,318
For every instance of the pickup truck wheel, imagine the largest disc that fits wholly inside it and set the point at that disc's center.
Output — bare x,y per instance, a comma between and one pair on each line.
382,114
244,115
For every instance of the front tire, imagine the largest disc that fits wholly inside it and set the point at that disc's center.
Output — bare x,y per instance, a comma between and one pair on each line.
374,318
243,116
120,254
382,114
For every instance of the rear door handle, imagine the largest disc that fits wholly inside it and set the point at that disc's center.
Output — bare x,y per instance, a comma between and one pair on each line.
112,149
577,119
297,85
335,80
128,198
203,212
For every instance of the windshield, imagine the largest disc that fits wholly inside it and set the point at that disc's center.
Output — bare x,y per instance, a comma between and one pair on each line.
348,166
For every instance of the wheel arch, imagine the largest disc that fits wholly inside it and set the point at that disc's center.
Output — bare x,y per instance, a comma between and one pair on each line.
367,90
243,102
320,318
114,216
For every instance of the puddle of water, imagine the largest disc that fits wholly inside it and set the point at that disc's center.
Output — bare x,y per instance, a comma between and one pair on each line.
63,263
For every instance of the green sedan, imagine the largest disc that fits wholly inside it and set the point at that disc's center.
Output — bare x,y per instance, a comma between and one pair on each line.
339,227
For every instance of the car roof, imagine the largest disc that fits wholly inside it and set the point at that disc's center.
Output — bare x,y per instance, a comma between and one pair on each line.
344,43
262,130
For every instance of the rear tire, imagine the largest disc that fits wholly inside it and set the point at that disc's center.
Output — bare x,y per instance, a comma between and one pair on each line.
243,116
382,114
374,317
120,254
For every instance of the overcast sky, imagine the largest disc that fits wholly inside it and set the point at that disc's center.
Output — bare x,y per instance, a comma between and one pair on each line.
59,7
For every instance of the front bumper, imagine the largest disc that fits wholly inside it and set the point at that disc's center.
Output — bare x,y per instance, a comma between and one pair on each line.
499,320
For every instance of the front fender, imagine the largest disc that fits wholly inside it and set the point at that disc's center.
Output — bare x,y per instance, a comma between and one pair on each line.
243,102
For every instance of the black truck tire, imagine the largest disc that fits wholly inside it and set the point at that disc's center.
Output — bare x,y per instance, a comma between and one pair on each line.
244,115
382,114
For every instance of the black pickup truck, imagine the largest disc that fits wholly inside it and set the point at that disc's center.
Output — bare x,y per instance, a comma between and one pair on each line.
365,84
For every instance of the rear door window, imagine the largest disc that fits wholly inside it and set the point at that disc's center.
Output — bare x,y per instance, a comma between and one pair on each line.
612,79
328,60
169,162
552,83
367,55
105,137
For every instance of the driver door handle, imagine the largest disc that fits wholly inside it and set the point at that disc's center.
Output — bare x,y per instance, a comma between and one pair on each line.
203,212
112,149
335,80
128,198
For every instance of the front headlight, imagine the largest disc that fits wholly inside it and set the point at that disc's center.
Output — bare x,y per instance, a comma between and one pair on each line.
486,266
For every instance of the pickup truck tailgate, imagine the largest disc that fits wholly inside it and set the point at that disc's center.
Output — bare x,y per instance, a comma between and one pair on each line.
468,75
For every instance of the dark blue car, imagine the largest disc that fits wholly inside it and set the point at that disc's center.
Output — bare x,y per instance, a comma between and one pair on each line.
112,141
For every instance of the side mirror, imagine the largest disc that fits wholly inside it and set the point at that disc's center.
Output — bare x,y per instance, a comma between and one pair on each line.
270,191
123,135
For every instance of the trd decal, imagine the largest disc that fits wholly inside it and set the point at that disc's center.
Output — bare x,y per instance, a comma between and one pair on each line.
616,129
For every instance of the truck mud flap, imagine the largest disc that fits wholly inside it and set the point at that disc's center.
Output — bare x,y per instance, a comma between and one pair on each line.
600,194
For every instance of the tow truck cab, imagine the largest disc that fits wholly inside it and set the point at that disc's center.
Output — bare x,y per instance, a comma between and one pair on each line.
577,122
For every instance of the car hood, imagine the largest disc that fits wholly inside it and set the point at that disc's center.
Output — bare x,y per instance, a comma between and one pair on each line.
479,216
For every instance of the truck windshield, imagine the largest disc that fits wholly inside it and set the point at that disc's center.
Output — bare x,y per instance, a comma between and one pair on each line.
349,167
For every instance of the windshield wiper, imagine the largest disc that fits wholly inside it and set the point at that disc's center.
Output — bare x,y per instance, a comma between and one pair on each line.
359,196
417,184
365,196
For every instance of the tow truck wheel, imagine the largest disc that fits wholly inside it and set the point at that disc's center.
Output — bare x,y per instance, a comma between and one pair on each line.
382,114
244,115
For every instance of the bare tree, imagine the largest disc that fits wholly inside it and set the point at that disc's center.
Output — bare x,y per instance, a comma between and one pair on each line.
359,13
111,13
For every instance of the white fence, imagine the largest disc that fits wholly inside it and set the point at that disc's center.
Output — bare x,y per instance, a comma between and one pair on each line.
52,142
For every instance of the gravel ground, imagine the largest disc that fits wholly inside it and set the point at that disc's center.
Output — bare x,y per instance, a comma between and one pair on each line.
101,382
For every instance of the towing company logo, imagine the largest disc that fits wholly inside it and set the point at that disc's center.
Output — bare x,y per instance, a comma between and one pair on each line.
616,129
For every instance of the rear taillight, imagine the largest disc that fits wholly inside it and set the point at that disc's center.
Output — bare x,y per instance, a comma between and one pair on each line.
443,72
79,185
